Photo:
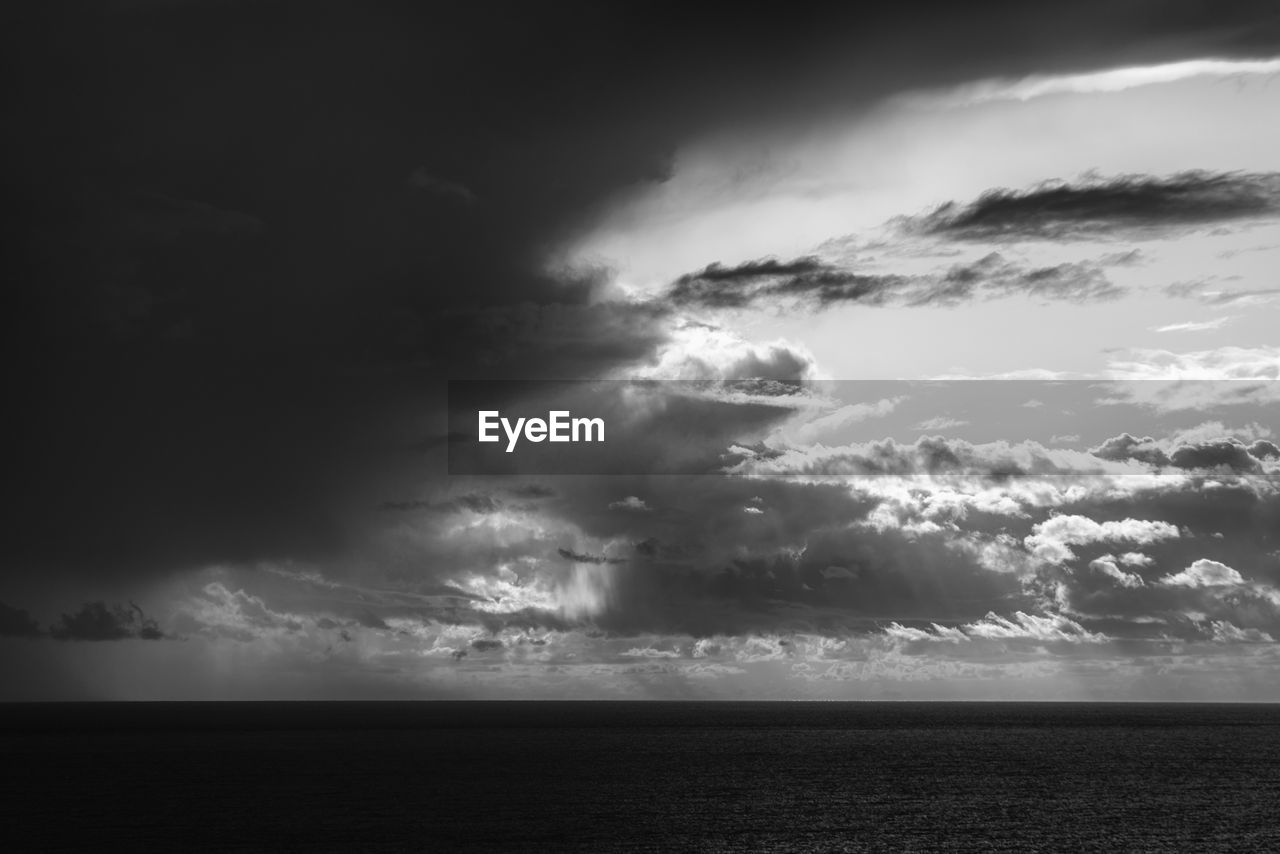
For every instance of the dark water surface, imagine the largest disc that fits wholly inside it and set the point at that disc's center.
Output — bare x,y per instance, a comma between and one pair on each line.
602,777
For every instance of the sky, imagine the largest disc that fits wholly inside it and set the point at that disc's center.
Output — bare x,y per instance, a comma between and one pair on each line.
937,347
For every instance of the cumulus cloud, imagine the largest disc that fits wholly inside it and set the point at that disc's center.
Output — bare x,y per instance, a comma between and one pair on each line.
1107,566
1229,454
1204,573
1223,631
700,351
1129,447
1226,454
1051,539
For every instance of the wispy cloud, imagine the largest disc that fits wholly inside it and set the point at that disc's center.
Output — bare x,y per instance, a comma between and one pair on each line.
820,284
1194,325
940,422
1098,82
1095,206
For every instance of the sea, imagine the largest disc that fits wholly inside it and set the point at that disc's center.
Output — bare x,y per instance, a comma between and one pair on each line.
639,776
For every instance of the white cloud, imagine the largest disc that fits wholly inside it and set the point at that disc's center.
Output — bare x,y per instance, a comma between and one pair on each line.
649,652
1107,566
1098,82
1022,626
811,431
1193,325
1204,573
1223,363
1226,632
1211,431
696,351
940,422
584,592
1051,539
631,503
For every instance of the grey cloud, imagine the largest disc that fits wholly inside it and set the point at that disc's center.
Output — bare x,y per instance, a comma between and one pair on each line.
1130,447
1059,210
532,490
1208,293
579,557
821,284
451,191
928,455
1265,450
701,566
17,623
370,620
1227,454
996,276
474,502
1224,454
98,621
808,278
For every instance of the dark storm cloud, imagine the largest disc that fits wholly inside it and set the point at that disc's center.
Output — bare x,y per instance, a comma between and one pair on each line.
1064,210
474,502
17,623
98,621
245,295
